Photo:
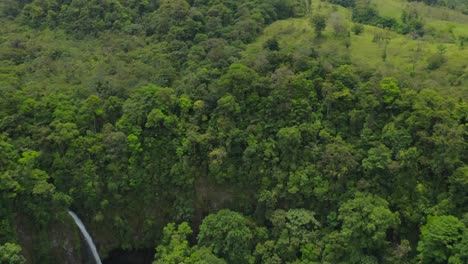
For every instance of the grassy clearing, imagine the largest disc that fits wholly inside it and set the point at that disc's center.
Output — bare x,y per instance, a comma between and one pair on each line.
405,57
391,8
438,19
448,28
294,34
394,8
291,35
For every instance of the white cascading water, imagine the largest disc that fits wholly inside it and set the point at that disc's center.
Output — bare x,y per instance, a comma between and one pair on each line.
89,240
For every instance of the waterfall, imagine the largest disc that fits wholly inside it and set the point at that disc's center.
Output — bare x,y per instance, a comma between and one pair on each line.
89,240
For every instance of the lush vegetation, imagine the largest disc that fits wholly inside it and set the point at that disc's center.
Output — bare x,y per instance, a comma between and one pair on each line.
235,131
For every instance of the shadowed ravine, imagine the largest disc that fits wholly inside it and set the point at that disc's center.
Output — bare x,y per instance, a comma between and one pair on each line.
89,240
119,256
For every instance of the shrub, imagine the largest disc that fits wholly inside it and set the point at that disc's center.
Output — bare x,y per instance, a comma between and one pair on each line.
435,61
358,29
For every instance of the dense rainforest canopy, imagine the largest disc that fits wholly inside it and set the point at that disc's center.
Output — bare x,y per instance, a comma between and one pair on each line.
235,131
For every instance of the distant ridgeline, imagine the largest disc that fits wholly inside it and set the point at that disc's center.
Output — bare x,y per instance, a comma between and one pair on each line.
234,131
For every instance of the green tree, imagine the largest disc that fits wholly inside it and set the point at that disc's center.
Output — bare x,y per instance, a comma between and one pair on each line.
459,187
345,3
435,61
174,247
293,231
11,254
390,89
204,256
9,186
357,28
365,222
170,14
440,238
319,22
228,235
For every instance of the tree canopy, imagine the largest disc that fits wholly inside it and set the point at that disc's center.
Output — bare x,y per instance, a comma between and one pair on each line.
234,131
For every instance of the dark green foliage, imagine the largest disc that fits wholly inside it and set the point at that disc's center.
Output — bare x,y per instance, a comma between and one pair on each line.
228,235
271,44
453,4
366,14
411,22
357,28
294,232
345,3
435,61
365,222
319,22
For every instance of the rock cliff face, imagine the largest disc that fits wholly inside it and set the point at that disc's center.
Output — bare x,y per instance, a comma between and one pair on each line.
59,242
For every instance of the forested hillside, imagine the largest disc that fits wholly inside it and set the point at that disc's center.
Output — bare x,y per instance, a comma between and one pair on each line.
234,131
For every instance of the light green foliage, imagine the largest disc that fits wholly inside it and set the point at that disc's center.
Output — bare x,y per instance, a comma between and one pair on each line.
137,114
228,235
461,249
11,254
441,240
435,61
377,159
9,186
390,89
238,80
174,246
365,222
204,256
293,231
